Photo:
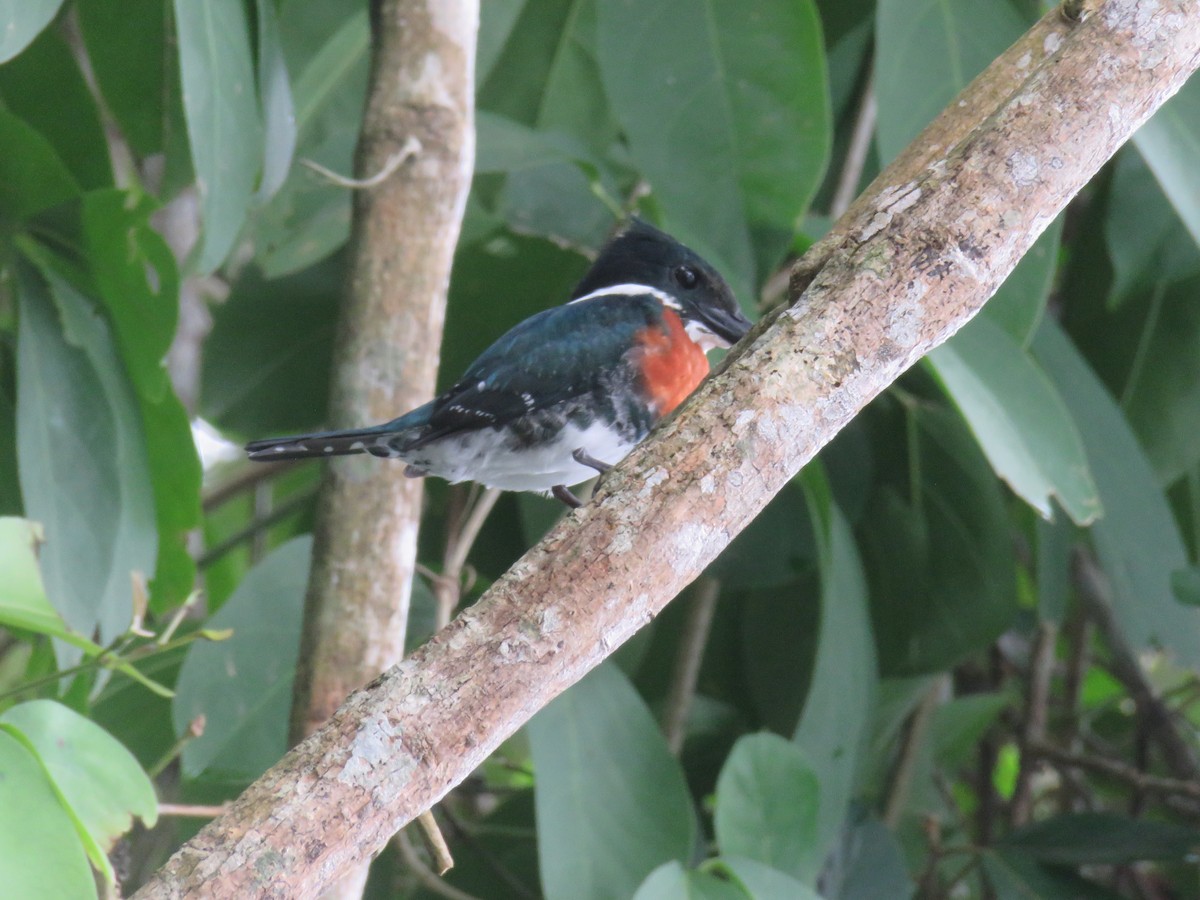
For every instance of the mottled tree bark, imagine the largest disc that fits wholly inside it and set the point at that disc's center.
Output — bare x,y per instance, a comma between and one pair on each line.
406,228
420,99
909,268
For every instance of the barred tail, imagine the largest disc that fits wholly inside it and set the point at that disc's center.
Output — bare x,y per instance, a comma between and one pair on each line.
318,444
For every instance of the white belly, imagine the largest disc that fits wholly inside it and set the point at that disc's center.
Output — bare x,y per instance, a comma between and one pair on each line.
489,457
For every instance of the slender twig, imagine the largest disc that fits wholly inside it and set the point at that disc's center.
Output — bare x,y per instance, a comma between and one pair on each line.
1041,667
1094,593
194,730
190,811
1102,765
910,751
448,586
282,511
435,841
699,615
856,153
245,480
423,873
410,149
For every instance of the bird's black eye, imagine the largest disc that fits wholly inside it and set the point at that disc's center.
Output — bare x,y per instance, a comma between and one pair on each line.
685,276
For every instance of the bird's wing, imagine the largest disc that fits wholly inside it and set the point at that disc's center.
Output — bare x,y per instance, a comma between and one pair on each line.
551,357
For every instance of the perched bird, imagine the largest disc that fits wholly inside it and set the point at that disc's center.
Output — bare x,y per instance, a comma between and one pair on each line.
569,391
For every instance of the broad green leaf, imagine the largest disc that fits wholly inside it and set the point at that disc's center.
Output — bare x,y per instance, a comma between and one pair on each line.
869,865
767,801
138,282
224,128
1018,304
83,465
1055,542
23,20
1146,241
1102,838
243,685
726,112
959,724
1018,418
44,87
937,552
775,549
926,51
1137,541
23,602
1184,582
1014,876
32,177
612,804
547,78
834,725
1170,143
309,218
99,782
42,856
760,881
176,477
496,21
127,45
266,361
505,145
671,881
275,97
1161,395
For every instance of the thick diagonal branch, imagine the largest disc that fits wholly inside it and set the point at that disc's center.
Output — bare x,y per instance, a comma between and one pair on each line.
910,269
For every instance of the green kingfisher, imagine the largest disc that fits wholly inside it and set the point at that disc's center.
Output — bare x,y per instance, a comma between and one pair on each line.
569,391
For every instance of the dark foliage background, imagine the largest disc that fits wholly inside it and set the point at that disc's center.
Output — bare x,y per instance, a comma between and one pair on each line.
956,657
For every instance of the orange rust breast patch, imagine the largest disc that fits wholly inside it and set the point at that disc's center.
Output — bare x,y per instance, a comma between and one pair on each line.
670,362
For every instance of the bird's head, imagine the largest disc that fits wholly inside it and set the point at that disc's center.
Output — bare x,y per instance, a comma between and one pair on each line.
643,257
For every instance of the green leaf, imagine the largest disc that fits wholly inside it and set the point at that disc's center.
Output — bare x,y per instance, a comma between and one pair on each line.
1018,304
760,881
32,177
767,801
42,856
243,686
596,748
1170,143
98,780
775,549
671,881
1145,239
726,113
309,218
224,128
127,45
1018,418
496,21
926,51
937,552
1102,839
83,465
1014,876
136,277
508,146
959,724
275,97
267,359
23,20
1184,582
23,602
870,865
1137,541
835,723
44,87
1161,396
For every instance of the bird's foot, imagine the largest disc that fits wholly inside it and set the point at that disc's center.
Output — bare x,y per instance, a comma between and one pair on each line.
564,494
582,457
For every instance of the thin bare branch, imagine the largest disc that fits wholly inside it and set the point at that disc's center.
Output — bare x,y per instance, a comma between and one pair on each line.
700,608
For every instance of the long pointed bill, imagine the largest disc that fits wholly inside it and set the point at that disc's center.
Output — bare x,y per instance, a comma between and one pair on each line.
729,327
